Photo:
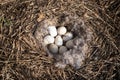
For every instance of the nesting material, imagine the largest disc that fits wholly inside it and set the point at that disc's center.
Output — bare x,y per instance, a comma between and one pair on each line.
65,47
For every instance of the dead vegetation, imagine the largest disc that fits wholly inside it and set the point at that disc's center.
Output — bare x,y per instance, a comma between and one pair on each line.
21,58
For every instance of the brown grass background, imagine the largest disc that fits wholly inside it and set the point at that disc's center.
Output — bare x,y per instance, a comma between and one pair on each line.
21,58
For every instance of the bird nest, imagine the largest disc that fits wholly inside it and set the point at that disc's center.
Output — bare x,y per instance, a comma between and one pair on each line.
81,40
94,24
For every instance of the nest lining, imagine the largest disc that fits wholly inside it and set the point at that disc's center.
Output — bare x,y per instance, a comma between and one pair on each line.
74,56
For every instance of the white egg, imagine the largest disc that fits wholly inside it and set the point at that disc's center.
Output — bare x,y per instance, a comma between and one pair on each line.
52,31
58,41
67,36
62,30
53,48
69,44
62,49
48,39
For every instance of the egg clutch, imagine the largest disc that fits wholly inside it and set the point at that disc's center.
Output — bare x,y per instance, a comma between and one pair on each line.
58,40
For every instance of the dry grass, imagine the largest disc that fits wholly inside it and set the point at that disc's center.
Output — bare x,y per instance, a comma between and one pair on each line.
21,58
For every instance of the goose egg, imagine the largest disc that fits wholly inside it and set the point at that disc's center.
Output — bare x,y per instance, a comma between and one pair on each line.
48,39
69,44
67,36
52,31
62,30
53,48
58,40
62,49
